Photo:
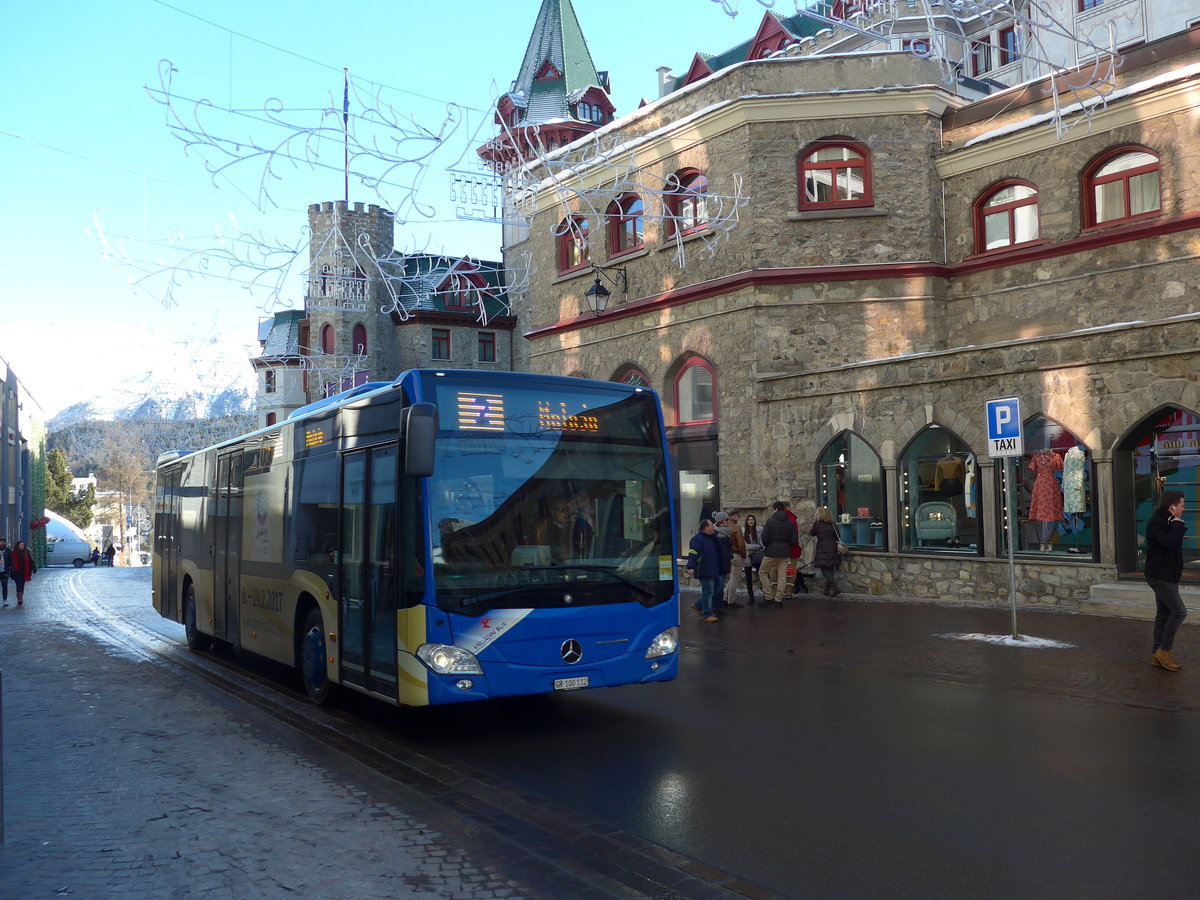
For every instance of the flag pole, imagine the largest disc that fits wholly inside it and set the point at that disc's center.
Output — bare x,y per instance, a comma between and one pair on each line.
346,131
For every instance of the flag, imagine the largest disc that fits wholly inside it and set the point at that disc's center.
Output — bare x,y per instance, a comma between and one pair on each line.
346,100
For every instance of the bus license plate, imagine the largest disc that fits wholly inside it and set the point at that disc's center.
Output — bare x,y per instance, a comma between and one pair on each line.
570,684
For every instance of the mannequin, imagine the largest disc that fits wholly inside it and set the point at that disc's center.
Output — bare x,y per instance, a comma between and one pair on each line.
1074,500
1046,500
948,476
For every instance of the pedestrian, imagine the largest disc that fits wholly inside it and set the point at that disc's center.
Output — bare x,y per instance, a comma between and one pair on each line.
753,555
795,552
704,561
95,556
737,558
6,562
721,524
778,537
109,553
22,570
1164,568
825,554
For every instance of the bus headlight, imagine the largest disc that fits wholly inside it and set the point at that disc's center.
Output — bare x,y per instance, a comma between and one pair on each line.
447,660
664,645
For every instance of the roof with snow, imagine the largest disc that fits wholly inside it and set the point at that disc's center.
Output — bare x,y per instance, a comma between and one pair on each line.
557,68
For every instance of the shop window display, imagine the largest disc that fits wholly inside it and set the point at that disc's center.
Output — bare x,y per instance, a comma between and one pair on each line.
850,480
1166,457
1053,484
939,496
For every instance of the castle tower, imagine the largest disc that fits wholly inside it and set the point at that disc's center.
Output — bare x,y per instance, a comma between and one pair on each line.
557,96
349,340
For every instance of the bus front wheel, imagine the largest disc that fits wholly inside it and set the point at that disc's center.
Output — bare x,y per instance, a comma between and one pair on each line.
312,659
196,639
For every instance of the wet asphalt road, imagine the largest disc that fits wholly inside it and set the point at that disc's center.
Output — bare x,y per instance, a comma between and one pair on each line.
849,749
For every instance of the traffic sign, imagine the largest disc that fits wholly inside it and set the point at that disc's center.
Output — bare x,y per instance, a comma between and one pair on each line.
1004,427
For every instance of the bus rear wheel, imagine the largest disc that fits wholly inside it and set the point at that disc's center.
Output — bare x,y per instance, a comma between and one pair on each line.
312,659
196,639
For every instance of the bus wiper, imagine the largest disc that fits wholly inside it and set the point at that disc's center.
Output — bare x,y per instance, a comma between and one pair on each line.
611,570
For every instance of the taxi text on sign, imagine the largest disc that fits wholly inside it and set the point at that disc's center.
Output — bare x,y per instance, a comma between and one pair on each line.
1004,427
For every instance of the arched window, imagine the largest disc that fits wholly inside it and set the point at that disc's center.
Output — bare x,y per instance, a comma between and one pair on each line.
626,223
327,340
572,236
850,483
695,394
834,174
687,202
1006,216
939,496
1122,186
1054,499
632,376
358,345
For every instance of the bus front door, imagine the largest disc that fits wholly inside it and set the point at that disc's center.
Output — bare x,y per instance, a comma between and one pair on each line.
369,571
166,538
228,547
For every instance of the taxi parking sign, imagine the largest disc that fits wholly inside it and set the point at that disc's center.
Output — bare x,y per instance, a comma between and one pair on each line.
1004,427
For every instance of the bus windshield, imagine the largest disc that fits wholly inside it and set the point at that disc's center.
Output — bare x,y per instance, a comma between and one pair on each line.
540,501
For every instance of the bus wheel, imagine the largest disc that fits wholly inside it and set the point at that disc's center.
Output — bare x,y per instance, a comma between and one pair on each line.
195,639
312,659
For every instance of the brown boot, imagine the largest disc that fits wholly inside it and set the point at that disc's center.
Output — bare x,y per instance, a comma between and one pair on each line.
1164,659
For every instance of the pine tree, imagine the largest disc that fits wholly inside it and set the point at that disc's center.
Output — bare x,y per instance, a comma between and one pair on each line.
60,498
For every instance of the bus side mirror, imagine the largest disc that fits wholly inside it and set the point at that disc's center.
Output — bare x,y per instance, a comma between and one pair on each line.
419,425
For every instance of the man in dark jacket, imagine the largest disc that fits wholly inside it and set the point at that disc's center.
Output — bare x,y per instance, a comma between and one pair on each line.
704,561
778,536
1164,568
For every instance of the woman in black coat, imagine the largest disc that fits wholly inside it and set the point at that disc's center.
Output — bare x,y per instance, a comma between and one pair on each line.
1164,568
826,556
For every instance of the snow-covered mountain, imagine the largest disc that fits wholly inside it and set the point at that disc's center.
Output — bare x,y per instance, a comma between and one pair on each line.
169,377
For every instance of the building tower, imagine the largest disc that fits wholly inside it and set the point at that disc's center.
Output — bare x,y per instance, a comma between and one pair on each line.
348,342
557,96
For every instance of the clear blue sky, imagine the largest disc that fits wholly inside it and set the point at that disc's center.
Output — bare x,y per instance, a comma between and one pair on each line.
83,143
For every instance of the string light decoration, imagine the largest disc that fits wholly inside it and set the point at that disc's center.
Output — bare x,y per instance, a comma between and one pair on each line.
584,179
377,145
958,33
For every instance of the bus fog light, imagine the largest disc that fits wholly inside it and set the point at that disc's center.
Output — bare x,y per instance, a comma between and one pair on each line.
464,684
448,660
664,645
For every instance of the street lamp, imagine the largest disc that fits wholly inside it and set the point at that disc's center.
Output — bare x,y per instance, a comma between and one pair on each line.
597,295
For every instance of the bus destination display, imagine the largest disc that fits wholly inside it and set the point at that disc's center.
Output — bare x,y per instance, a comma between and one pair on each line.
478,411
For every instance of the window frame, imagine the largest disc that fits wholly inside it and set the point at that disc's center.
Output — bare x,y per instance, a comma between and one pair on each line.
358,339
328,340
804,165
440,339
1090,181
1007,48
486,339
687,203
695,362
270,384
980,212
574,247
619,217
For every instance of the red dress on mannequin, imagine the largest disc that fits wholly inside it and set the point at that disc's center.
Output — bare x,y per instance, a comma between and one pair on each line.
1046,500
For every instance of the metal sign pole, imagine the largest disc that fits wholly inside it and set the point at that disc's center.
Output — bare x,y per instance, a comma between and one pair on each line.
1012,565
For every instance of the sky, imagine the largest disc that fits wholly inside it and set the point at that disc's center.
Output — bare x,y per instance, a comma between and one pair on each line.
102,198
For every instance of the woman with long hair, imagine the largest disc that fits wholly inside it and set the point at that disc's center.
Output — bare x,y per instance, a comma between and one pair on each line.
22,569
826,556
1164,568
754,550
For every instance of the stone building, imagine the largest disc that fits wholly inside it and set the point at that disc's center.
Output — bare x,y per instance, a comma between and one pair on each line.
835,260
371,313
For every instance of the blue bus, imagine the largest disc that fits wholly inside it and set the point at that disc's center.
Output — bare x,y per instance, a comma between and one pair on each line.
449,536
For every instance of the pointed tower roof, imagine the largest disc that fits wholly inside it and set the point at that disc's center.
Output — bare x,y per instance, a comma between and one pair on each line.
557,68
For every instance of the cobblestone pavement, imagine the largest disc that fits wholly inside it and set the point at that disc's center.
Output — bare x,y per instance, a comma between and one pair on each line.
121,779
